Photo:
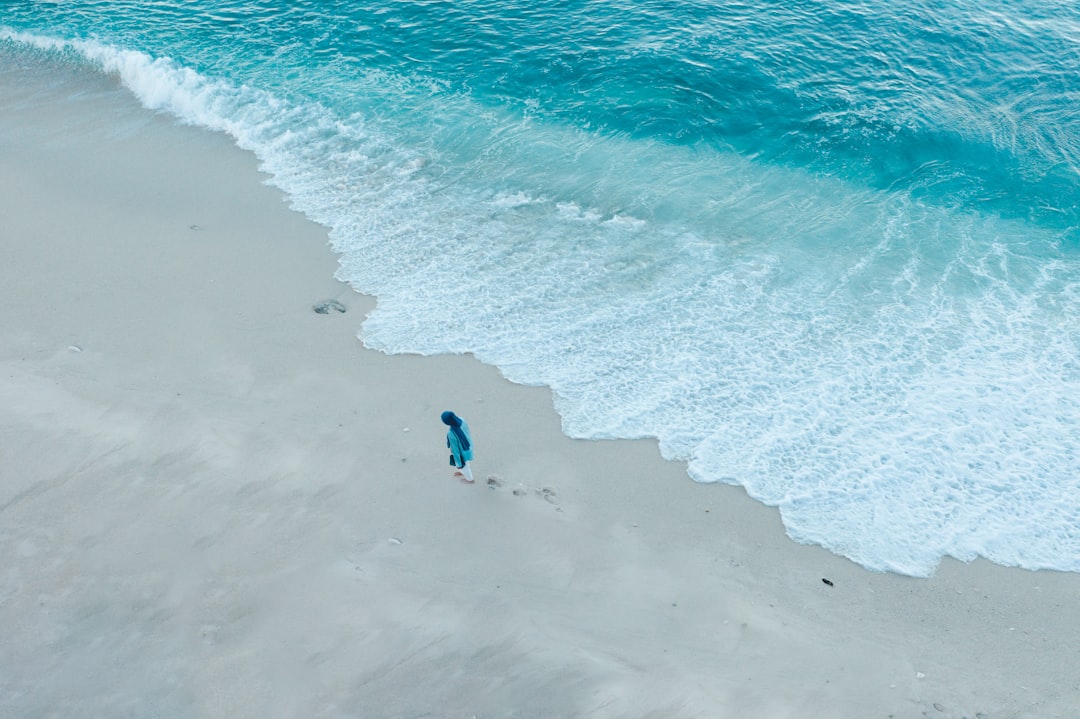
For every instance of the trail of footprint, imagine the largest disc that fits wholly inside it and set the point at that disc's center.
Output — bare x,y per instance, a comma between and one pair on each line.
548,494
494,481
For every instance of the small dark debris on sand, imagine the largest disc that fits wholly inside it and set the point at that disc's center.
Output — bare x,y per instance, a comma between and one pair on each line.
323,308
826,581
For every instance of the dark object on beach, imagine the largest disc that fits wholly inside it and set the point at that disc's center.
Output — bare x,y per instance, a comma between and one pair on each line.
826,581
323,308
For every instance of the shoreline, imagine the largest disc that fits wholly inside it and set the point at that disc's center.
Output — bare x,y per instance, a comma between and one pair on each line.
218,503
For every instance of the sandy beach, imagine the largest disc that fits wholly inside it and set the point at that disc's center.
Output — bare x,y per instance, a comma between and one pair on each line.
215,502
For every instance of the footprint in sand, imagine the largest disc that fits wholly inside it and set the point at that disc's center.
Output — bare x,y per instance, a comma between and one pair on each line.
494,481
548,494
323,308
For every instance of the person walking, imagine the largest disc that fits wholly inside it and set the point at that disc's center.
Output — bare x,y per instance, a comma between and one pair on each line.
459,441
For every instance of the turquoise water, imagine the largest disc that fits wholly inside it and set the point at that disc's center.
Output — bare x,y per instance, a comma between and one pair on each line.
828,251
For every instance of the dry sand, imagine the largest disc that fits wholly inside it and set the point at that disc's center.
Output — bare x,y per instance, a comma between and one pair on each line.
215,502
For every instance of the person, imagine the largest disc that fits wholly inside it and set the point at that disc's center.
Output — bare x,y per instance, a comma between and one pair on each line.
459,441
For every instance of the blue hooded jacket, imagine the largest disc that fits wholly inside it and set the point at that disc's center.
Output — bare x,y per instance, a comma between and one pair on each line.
458,438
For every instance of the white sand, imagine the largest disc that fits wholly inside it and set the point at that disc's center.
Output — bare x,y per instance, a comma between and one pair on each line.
221,505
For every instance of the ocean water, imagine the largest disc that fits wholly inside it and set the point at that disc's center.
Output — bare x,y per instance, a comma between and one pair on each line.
828,251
